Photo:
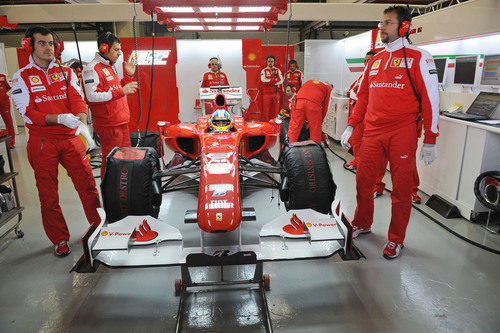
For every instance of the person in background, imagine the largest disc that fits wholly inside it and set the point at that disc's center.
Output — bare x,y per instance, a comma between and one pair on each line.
106,95
212,78
311,103
51,103
357,134
399,87
294,76
5,109
271,80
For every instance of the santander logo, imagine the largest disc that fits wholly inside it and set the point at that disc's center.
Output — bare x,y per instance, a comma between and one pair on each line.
395,85
144,232
296,226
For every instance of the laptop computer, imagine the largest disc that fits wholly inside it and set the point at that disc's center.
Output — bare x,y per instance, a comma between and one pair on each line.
482,108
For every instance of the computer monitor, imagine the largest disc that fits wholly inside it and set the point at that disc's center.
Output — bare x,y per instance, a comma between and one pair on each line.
484,104
491,70
465,70
441,65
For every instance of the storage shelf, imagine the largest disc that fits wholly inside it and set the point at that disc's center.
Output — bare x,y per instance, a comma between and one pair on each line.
10,214
7,176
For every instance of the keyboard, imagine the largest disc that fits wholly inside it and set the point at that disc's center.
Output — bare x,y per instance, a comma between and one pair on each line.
465,116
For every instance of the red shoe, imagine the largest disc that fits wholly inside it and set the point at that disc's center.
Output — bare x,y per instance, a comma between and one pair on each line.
356,231
415,198
392,250
62,249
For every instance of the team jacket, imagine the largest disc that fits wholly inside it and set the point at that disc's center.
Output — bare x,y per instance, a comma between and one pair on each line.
104,93
4,87
271,79
386,100
211,79
317,92
289,102
36,93
295,78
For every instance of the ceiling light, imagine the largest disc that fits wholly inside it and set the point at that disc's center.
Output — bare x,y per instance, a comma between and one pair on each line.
221,20
219,27
177,9
191,27
248,27
250,19
254,9
185,20
216,9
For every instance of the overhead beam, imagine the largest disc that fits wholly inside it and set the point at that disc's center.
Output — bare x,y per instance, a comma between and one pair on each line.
124,12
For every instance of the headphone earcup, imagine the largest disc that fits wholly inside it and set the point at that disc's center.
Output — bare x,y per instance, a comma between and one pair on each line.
26,45
404,29
58,48
104,48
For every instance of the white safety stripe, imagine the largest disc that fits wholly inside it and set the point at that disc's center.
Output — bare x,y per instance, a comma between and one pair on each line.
21,99
263,76
91,81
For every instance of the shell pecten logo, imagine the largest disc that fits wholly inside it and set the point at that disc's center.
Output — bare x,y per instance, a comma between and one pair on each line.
34,79
309,224
315,81
104,233
252,56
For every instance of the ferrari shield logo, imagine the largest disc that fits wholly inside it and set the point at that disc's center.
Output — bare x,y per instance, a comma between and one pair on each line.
55,77
218,216
396,62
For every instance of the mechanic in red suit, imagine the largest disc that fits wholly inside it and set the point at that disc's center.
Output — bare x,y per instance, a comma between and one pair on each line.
311,104
271,80
106,93
211,78
358,132
5,109
51,102
290,97
294,76
380,185
390,104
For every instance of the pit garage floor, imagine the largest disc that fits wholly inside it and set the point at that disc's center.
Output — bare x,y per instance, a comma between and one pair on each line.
439,284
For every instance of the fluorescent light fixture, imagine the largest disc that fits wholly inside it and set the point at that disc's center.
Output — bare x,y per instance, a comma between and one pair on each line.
254,9
177,9
185,20
248,27
219,27
216,9
221,20
251,19
191,27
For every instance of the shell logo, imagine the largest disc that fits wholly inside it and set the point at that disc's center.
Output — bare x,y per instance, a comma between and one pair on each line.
104,233
309,224
315,81
35,79
252,56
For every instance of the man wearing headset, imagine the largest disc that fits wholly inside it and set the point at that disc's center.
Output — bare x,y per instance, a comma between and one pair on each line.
400,86
51,102
294,76
106,93
311,103
5,109
211,78
271,80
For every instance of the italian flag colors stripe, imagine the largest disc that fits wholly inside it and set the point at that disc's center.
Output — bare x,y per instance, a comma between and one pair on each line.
356,64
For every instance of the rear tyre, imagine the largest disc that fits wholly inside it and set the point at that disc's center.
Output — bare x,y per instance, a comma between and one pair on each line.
303,136
307,182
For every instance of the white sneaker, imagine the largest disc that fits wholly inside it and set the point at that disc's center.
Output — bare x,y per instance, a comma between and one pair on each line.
356,231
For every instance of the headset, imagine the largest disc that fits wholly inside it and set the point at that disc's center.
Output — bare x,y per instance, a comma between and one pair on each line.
218,61
28,42
405,23
103,43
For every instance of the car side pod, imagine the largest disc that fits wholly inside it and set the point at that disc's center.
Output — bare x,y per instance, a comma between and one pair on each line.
247,214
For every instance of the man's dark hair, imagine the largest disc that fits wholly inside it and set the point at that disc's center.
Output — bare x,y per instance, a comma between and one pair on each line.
37,30
213,59
272,57
289,85
402,12
371,52
107,38
292,62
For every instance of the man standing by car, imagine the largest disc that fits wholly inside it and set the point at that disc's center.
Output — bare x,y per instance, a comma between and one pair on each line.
294,76
311,104
106,93
212,78
399,87
50,100
271,80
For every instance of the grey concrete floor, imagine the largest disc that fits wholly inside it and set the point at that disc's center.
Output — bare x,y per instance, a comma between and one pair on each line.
439,284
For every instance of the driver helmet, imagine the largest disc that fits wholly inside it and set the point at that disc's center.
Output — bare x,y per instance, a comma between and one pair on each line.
221,120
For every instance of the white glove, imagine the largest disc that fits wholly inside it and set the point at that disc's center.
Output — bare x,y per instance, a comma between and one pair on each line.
84,131
344,139
68,119
428,153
